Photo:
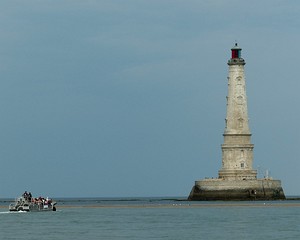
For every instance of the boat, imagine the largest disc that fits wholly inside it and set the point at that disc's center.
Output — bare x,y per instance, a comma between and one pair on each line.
28,203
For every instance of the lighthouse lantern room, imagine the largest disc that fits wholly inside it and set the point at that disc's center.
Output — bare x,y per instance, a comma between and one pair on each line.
236,51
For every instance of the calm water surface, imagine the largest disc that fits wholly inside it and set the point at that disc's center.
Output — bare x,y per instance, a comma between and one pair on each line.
144,219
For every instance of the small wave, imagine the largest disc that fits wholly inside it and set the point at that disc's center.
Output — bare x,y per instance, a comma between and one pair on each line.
21,211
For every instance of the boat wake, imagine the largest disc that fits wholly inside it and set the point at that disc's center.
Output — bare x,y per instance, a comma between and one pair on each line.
9,212
4,212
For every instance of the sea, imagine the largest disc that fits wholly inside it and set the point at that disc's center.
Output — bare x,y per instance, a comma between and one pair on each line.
153,218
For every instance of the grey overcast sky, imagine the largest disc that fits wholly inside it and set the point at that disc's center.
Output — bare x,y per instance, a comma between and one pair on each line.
114,98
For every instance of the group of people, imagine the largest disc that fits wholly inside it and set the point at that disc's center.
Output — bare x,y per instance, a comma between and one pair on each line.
28,197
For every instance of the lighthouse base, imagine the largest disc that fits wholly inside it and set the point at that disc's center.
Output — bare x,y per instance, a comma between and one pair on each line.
236,190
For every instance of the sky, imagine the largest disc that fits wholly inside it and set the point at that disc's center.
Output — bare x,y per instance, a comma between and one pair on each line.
114,98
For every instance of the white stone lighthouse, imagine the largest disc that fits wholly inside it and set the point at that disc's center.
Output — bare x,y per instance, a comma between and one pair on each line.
237,150
237,179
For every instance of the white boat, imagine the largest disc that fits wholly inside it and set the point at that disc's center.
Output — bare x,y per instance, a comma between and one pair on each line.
30,204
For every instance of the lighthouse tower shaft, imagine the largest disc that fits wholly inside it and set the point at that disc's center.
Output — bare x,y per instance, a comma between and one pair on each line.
237,150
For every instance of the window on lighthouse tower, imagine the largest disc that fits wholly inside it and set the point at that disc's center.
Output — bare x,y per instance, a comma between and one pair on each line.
240,121
240,100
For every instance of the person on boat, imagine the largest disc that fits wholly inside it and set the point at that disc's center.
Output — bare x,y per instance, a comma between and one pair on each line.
29,197
25,195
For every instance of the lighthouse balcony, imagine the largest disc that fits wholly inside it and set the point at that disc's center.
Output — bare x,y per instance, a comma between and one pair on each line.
236,61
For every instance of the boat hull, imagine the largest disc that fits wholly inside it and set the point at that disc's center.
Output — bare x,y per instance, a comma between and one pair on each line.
23,204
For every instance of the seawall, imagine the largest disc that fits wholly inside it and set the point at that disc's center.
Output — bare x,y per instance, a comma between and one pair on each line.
220,189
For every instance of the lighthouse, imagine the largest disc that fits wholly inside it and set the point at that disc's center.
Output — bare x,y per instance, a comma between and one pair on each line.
237,180
237,150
